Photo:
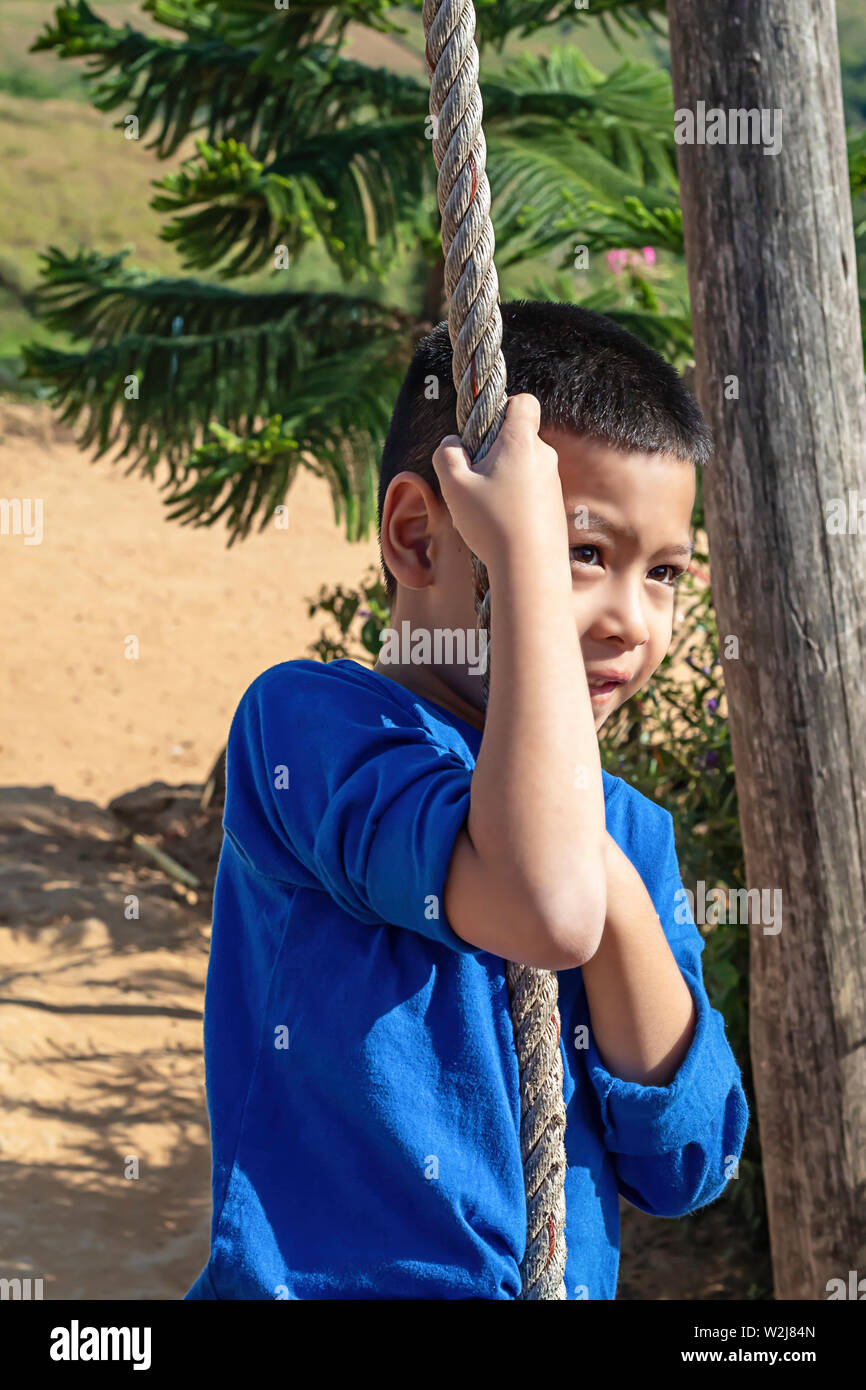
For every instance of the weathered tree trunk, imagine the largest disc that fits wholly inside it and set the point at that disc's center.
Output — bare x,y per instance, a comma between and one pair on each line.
770,251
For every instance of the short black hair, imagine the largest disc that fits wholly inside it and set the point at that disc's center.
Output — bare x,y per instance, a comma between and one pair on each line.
591,377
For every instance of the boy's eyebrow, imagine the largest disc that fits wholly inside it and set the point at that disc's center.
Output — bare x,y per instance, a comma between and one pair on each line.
596,522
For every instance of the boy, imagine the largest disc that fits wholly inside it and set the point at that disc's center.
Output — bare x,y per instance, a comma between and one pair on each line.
388,847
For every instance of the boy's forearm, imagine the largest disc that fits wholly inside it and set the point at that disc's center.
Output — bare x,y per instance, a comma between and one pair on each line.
537,804
642,1012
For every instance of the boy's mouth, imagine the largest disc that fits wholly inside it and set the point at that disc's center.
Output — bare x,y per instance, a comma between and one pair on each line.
602,687
602,690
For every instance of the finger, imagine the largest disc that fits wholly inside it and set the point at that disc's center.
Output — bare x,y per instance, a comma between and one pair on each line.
451,459
523,412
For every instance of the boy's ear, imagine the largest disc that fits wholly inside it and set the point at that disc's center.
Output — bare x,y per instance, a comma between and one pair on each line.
411,514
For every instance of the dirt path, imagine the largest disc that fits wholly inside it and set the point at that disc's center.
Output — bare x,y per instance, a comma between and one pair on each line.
100,1013
104,1165
79,714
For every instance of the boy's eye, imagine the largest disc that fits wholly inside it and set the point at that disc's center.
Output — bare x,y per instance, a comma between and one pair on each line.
677,573
575,556
579,557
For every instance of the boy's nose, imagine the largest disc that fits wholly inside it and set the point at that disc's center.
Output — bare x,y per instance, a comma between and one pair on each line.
621,614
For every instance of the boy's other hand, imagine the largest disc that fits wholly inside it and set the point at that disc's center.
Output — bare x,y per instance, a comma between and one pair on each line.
513,499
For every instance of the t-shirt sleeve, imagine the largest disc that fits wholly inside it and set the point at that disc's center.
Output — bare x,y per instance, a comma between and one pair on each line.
331,786
675,1147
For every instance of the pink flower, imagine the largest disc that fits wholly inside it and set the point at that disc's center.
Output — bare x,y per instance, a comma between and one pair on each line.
619,259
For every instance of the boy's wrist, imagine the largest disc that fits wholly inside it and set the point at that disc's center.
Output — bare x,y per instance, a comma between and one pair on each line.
537,560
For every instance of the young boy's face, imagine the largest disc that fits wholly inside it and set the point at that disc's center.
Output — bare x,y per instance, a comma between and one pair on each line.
629,519
629,516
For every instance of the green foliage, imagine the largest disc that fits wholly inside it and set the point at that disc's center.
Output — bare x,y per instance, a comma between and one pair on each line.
299,146
857,177
223,371
357,618
352,188
857,164
227,81
851,24
625,117
633,303
500,19
239,203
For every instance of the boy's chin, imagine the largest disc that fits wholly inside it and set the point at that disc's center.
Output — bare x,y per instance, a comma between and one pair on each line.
600,716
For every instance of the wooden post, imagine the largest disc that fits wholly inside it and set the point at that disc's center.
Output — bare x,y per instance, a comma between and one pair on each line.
779,374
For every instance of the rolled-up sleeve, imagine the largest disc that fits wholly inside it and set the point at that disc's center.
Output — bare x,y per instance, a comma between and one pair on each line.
675,1147
330,787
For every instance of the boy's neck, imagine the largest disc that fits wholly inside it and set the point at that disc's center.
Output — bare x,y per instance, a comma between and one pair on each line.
425,682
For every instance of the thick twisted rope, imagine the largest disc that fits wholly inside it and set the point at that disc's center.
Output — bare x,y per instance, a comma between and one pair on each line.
475,330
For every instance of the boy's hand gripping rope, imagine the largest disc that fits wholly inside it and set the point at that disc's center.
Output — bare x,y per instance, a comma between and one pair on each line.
475,330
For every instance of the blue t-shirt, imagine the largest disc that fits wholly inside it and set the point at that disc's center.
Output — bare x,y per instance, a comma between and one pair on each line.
362,1079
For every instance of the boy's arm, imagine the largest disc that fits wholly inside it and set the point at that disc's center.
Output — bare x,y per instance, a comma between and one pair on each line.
670,1091
643,1014
330,786
526,880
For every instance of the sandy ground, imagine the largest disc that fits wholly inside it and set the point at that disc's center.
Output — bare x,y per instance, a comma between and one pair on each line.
104,1152
81,715
101,1013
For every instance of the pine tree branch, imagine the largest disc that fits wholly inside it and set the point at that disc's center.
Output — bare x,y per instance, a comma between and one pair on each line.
350,187
499,20
548,194
565,123
236,392
257,95
97,297
238,91
322,376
